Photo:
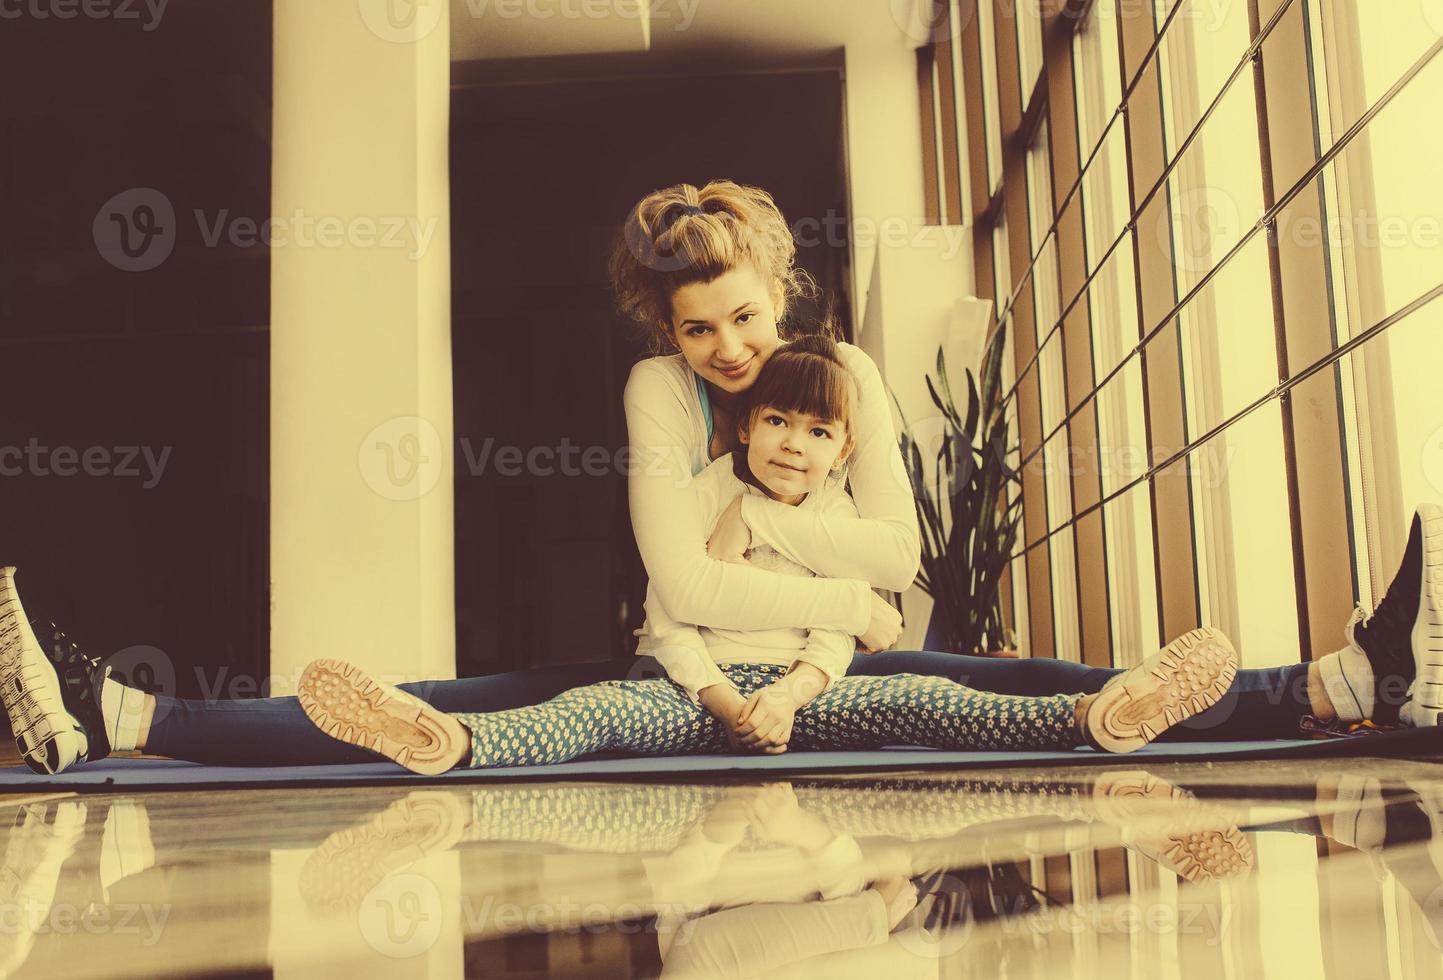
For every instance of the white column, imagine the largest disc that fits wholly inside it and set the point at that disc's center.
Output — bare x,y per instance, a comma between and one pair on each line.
361,428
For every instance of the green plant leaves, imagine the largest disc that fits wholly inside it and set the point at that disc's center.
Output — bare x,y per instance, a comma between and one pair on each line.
969,526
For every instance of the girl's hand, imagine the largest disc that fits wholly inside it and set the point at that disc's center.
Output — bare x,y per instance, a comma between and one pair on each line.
731,538
765,722
725,705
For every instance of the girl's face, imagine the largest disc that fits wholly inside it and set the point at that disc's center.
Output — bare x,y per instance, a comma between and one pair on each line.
792,453
727,328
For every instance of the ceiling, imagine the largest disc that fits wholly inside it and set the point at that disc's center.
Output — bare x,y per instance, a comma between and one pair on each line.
670,33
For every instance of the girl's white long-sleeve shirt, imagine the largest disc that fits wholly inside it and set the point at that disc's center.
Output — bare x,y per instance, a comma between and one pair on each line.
691,655
878,546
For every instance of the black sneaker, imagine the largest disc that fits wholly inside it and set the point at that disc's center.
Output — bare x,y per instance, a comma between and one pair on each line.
51,692
81,680
1403,638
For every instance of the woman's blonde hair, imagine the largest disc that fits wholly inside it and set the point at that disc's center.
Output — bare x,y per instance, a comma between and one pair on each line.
681,235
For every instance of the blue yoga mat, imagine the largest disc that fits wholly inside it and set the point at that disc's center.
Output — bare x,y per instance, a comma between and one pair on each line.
109,775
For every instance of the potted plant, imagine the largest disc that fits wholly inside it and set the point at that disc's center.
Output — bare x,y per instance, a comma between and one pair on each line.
969,526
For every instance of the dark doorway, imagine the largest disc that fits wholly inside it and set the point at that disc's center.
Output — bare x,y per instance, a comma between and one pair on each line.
542,175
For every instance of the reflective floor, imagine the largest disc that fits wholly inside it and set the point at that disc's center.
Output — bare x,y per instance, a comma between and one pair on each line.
1228,870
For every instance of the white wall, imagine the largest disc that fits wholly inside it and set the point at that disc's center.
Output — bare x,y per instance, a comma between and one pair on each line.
362,537
912,280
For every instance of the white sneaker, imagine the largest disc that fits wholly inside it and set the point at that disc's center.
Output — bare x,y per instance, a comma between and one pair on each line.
48,737
1187,676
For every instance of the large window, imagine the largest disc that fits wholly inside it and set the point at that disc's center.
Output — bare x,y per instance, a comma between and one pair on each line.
1112,307
1255,276
1055,459
1383,211
1226,332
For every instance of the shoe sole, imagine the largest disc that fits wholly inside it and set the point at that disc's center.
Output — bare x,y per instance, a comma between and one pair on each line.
1185,677
45,734
1426,706
1193,853
350,863
349,705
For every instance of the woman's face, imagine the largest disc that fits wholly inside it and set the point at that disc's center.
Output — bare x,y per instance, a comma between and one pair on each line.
727,328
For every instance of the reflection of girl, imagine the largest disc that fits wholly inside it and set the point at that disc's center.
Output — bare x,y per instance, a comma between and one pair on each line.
758,687
710,273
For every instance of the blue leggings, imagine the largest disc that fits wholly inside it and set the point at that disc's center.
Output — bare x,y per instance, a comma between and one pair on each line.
655,717
1262,704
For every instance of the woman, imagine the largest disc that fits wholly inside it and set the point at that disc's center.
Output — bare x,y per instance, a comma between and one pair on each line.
710,272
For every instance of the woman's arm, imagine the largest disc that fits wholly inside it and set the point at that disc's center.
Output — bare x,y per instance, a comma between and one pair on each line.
671,536
881,547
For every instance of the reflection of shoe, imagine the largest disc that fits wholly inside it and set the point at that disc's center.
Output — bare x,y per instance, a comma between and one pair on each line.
1358,819
344,869
1185,677
1187,840
43,836
126,847
1403,638
55,716
347,704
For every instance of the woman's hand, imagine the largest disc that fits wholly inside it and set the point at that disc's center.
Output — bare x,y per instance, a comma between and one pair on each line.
765,722
885,628
731,538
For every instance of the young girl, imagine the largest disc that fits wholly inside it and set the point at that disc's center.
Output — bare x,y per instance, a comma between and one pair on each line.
709,274
773,688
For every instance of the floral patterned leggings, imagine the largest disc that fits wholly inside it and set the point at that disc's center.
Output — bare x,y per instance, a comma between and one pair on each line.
655,717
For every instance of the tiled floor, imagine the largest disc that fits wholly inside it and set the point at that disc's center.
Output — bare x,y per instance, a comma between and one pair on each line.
1227,870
